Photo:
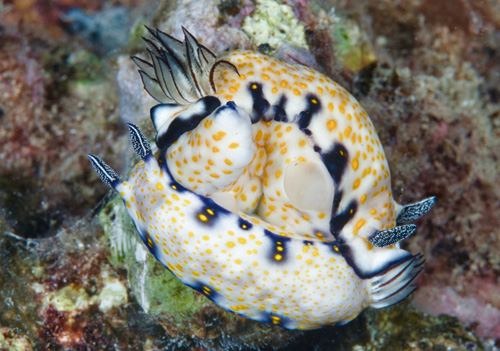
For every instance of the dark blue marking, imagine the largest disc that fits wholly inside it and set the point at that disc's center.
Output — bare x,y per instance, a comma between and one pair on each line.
209,203
336,200
313,107
211,213
347,253
279,110
231,104
180,126
317,149
308,242
335,246
340,219
245,225
206,290
174,185
274,318
260,104
153,248
278,252
335,161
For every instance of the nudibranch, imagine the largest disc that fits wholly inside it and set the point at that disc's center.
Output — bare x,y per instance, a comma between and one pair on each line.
270,192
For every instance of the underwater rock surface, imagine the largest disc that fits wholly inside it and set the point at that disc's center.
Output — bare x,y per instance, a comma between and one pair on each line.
429,82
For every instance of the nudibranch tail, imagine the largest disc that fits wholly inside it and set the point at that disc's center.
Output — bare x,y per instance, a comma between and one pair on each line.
106,173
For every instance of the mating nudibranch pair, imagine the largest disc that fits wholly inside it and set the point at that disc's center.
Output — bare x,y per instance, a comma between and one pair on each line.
270,192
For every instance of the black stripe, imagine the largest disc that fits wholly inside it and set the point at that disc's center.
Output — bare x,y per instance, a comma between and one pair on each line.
340,219
335,161
260,104
279,110
312,108
180,126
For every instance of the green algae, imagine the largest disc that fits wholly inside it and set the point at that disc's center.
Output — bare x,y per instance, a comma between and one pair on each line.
273,24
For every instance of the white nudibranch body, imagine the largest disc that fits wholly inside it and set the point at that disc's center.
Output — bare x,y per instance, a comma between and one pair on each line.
270,192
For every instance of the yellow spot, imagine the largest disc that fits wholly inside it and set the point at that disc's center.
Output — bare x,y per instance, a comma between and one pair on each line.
331,124
355,164
258,136
341,109
278,257
233,145
219,135
242,240
237,261
265,76
363,199
205,237
230,244
202,217
356,184
296,91
361,222
254,86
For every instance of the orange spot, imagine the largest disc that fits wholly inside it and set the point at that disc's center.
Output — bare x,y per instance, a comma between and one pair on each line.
356,184
361,222
331,124
355,164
